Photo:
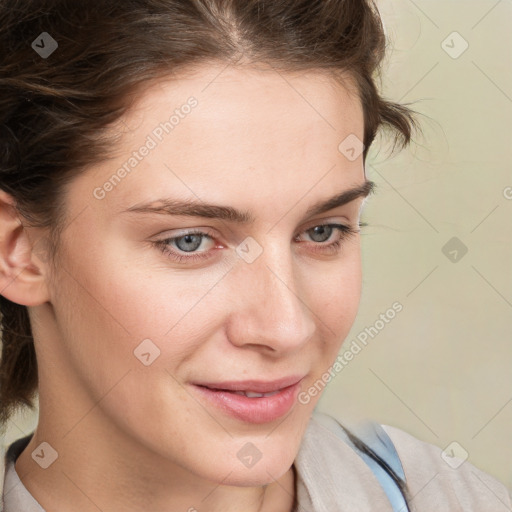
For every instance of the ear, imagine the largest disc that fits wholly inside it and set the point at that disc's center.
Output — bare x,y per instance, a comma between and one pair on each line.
22,274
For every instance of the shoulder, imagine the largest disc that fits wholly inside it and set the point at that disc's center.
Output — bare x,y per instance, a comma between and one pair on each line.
442,481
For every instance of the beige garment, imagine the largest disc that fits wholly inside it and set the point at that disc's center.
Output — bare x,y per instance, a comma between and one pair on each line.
436,486
331,477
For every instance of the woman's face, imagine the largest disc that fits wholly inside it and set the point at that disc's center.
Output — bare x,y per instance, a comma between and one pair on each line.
133,329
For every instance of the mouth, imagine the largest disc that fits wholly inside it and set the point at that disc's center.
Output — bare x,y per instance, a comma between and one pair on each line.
253,385
250,405
249,394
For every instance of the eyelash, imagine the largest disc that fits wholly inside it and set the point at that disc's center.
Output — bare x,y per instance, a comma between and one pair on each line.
164,245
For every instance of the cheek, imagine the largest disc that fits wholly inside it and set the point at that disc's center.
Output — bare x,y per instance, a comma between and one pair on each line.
336,289
94,322
108,310
106,313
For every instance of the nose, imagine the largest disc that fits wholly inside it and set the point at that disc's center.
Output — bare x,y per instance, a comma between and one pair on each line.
271,309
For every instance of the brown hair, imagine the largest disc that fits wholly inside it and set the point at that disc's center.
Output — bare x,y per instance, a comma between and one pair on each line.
54,111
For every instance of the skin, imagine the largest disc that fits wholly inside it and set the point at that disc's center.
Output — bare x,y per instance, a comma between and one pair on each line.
133,437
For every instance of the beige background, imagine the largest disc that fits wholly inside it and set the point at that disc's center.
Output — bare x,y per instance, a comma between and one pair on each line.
441,369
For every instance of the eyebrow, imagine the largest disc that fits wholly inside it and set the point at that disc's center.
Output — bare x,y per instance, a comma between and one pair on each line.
192,208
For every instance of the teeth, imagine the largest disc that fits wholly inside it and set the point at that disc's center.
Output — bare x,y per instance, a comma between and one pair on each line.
253,394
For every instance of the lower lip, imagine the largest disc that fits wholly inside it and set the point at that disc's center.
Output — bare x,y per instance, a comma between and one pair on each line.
253,410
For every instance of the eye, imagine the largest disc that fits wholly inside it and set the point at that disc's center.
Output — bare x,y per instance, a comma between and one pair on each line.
324,232
186,243
185,247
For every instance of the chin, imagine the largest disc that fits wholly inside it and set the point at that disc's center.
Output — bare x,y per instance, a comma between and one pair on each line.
257,476
253,466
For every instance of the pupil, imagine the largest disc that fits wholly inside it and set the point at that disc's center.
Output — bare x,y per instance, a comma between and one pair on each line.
318,231
189,239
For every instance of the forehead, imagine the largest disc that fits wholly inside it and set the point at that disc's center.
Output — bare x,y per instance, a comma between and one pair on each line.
251,128
265,82
235,100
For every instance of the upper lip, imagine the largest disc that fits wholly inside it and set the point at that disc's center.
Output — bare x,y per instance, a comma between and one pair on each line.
259,386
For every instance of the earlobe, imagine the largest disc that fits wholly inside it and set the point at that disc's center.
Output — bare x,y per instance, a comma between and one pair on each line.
22,276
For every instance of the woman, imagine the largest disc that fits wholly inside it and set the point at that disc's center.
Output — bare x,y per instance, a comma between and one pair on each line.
181,189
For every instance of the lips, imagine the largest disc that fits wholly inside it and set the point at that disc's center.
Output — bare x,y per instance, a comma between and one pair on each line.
251,401
252,385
